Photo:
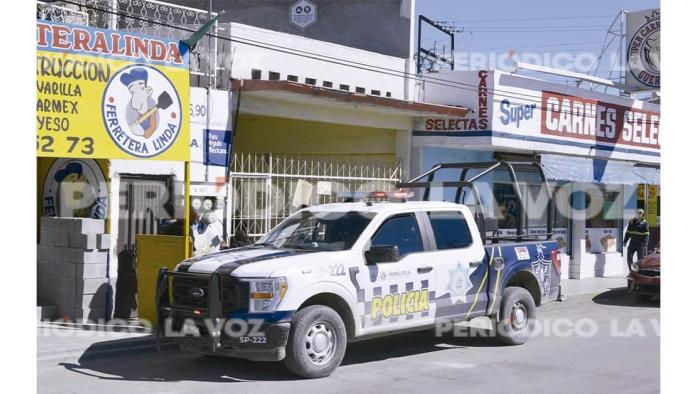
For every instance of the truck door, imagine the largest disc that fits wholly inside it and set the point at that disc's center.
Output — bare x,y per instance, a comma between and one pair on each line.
461,266
399,294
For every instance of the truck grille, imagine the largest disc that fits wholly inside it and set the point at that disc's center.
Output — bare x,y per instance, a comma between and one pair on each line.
649,272
182,288
232,293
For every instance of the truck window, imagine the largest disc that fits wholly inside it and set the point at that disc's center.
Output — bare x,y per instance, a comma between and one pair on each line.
317,230
451,230
402,231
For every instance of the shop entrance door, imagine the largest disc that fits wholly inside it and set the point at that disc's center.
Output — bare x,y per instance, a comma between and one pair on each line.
144,202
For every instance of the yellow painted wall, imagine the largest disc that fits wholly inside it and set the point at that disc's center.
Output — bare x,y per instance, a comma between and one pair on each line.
278,135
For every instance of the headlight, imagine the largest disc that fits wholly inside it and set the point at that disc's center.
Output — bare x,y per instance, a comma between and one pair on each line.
266,294
635,267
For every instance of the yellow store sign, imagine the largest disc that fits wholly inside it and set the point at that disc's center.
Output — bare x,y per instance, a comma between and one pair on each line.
651,206
107,94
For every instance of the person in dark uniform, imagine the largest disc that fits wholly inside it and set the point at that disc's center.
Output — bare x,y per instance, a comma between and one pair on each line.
637,234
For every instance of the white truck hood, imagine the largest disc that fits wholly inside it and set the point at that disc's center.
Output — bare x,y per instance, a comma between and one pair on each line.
265,260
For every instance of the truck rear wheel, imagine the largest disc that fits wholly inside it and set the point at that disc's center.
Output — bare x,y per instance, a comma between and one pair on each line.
317,342
517,311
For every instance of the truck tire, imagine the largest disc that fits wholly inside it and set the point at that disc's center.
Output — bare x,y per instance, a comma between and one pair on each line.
317,342
517,310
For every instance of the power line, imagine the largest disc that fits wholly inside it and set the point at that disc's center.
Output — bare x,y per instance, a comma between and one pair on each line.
516,47
530,19
533,31
535,26
338,61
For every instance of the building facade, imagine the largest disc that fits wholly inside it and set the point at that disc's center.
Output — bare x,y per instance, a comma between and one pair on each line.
276,121
600,152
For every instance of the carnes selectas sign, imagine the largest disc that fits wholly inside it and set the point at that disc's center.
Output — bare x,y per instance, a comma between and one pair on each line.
521,113
110,94
588,119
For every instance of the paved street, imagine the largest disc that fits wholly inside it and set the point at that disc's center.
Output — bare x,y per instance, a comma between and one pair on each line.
626,361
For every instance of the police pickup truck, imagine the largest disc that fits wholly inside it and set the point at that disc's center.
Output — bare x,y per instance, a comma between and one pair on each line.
335,273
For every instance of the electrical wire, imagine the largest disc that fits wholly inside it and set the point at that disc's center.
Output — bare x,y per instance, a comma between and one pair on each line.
530,19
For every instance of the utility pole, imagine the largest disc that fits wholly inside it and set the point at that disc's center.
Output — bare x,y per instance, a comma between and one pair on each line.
432,54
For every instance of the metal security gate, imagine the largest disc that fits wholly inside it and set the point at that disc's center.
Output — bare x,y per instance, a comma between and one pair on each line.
267,188
143,201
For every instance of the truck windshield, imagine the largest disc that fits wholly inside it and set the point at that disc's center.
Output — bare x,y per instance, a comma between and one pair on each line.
320,231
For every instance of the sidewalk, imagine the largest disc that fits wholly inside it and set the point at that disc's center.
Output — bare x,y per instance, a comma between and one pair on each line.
574,287
58,343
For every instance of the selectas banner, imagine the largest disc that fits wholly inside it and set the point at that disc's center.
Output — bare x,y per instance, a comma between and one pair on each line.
643,50
107,94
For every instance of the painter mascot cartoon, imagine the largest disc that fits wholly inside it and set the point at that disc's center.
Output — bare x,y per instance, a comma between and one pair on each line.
141,112
78,198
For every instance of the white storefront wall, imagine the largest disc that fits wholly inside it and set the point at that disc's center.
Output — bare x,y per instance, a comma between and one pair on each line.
517,114
305,58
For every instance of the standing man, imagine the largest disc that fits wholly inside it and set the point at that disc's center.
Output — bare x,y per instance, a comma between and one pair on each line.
637,233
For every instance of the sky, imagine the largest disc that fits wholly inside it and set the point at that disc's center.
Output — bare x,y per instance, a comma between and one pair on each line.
495,30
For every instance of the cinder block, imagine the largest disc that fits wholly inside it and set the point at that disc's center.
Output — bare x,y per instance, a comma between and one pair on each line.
81,256
69,270
88,226
42,267
44,252
90,271
104,241
54,289
63,299
66,311
49,223
84,315
43,288
55,269
97,300
60,238
95,257
44,223
46,312
91,285
68,287
70,255
82,241
45,237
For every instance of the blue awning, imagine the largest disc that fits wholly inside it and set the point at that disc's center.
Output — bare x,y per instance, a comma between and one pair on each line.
581,169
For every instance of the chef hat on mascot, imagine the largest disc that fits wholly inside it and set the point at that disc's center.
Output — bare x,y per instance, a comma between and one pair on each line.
70,168
136,74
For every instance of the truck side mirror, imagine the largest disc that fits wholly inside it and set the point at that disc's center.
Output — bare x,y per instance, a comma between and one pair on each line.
382,254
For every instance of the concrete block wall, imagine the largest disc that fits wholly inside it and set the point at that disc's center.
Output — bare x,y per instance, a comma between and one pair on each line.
72,268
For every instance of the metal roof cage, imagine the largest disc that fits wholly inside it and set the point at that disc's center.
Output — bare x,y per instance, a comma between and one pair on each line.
465,182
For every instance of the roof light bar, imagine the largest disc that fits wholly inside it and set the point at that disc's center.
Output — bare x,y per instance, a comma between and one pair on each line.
393,195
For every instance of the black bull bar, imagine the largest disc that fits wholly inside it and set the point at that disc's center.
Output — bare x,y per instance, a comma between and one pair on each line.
165,309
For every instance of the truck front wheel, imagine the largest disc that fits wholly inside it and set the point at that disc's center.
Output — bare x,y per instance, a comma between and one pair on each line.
317,342
517,312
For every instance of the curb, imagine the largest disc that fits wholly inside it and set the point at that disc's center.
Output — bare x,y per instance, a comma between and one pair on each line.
124,347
